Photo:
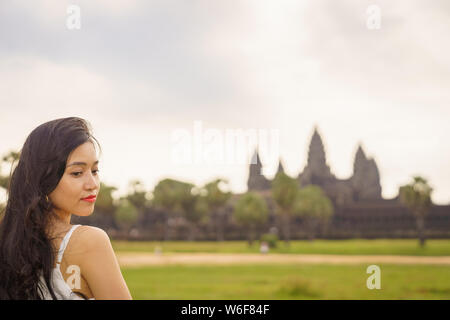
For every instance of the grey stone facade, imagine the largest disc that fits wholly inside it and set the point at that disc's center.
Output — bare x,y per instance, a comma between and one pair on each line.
363,185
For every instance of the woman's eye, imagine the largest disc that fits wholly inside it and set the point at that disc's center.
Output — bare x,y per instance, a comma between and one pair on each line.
78,173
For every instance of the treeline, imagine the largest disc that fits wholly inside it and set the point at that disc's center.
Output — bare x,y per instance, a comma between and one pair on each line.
174,203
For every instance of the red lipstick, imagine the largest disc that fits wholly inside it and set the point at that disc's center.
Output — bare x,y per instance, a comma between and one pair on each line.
90,199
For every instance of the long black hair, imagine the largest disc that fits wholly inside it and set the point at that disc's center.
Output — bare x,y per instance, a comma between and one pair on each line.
26,251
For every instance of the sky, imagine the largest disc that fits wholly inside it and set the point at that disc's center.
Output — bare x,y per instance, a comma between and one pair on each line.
157,79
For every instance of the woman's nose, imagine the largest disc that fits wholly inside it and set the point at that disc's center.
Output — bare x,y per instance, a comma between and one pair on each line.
92,182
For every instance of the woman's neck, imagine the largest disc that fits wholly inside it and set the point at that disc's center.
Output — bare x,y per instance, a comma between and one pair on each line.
62,217
59,223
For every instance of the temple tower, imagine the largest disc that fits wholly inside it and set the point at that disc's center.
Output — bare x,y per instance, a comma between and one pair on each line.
366,178
256,179
317,170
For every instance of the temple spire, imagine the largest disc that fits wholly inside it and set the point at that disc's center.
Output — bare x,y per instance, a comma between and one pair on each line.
316,153
256,179
360,159
366,178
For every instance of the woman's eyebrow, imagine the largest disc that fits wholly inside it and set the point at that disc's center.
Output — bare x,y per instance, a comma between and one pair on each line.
79,163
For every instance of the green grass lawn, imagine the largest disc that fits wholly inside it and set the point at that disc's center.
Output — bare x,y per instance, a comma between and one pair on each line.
286,282
351,247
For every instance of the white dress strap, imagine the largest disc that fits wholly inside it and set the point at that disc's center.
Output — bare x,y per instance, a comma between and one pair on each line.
65,242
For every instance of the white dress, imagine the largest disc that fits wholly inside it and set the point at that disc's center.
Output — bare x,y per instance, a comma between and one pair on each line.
60,287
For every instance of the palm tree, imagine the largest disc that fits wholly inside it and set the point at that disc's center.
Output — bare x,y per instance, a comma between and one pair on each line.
315,207
251,211
416,196
285,193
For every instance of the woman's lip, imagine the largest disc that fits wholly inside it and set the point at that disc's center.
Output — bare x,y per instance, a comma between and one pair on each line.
90,199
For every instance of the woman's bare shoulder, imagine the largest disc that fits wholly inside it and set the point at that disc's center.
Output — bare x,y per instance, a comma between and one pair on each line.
90,230
99,265
90,237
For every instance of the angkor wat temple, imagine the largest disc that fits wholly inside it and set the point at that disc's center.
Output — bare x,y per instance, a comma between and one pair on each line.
359,208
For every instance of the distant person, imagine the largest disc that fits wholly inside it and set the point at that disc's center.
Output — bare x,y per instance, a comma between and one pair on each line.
264,247
42,255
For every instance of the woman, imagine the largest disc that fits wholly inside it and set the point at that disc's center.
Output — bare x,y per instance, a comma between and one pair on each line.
43,256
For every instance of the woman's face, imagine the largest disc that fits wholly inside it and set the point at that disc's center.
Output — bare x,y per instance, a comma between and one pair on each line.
80,180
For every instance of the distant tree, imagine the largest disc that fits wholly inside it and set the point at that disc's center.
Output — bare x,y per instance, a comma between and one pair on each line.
105,199
195,211
285,193
137,195
126,215
315,208
166,196
416,196
216,200
2,210
251,211
179,199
